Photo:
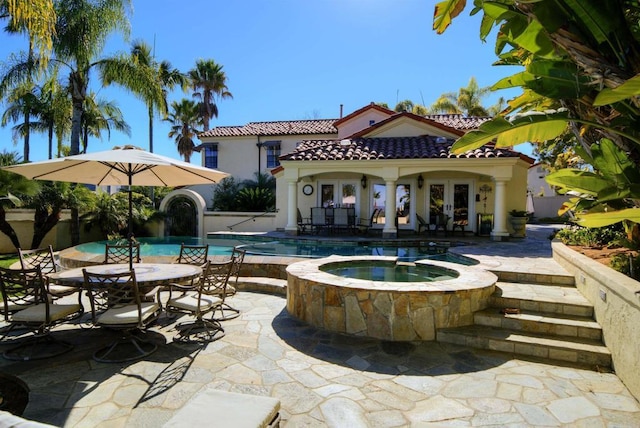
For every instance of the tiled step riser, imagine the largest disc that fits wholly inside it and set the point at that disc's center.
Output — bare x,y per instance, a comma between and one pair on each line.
549,328
537,306
535,278
527,349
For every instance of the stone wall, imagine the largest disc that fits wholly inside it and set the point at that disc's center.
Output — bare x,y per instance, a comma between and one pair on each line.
395,311
616,301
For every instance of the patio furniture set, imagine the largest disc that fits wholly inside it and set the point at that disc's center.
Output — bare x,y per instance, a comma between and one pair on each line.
122,299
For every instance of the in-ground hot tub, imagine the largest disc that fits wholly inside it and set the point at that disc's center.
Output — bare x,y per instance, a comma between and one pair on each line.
396,308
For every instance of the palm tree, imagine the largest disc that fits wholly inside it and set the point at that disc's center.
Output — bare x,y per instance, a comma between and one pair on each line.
211,81
100,115
183,118
167,76
35,17
53,113
23,102
467,101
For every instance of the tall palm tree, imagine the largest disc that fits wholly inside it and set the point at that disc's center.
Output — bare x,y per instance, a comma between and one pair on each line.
183,118
53,113
467,101
35,17
23,103
101,115
209,83
167,76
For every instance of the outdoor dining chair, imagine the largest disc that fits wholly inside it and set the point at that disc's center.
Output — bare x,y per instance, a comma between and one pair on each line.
193,254
119,253
319,221
117,304
228,312
27,304
201,298
45,258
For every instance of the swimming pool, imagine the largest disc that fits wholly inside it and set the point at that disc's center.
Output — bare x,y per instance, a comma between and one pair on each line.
170,246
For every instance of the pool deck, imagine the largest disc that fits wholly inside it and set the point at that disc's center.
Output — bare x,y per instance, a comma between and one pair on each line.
329,380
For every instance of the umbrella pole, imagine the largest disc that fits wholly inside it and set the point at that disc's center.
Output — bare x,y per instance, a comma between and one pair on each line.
130,234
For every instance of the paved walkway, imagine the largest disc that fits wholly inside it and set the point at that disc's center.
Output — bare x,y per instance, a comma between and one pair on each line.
325,379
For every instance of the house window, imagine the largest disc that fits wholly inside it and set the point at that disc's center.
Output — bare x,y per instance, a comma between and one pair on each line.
273,153
211,156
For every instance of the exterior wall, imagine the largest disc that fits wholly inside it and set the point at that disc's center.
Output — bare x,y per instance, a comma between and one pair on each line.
239,155
536,182
548,206
616,308
361,122
220,221
407,128
59,237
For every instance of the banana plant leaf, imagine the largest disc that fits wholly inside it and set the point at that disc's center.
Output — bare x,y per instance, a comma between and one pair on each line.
531,128
602,219
628,89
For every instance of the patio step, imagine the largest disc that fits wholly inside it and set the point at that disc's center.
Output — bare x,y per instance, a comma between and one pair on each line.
554,299
540,322
535,278
261,285
546,321
580,351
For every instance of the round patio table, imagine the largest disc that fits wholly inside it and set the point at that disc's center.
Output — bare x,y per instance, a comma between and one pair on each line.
147,274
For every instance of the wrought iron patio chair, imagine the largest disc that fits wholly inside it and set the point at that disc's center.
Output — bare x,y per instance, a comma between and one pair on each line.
201,298
45,258
193,254
119,253
28,304
227,311
117,304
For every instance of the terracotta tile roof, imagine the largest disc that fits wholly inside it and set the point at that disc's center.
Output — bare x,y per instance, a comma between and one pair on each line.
424,147
458,121
285,127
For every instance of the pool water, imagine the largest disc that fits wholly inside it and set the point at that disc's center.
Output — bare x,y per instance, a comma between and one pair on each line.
390,272
170,246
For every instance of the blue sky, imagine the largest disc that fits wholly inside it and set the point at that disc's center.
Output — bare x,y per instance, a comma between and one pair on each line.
292,59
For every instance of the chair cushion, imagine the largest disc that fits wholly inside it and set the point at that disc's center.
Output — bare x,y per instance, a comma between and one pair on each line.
127,314
62,290
189,302
37,313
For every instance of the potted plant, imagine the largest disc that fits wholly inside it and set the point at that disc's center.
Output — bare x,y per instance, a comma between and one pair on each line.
519,220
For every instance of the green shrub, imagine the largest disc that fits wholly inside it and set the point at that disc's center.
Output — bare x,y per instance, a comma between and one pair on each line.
611,236
627,264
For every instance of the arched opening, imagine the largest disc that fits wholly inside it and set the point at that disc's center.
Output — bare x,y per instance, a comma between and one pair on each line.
182,219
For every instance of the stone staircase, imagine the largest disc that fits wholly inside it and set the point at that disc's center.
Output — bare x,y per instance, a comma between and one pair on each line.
539,316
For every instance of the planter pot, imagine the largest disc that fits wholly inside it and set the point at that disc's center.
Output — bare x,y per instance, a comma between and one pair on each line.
519,225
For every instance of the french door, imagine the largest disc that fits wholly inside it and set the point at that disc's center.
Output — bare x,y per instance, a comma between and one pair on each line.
453,199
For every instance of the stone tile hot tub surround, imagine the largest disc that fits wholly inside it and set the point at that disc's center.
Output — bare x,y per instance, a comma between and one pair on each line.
394,311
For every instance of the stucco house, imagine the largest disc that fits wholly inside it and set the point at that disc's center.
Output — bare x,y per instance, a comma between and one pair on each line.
357,160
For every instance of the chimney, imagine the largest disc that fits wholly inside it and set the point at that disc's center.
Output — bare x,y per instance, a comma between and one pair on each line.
341,106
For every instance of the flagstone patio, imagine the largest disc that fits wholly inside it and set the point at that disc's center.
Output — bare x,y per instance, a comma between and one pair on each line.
325,379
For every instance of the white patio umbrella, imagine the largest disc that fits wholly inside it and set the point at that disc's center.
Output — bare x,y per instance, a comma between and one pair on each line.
124,166
530,207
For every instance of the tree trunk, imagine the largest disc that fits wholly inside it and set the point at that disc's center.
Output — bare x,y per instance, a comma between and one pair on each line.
6,228
43,223
75,227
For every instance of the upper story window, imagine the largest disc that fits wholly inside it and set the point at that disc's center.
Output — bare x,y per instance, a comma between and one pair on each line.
211,156
273,153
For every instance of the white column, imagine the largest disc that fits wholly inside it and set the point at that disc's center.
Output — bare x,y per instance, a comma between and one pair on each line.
500,232
390,230
292,208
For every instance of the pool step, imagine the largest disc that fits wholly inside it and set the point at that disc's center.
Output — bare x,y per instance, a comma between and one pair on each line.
537,320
